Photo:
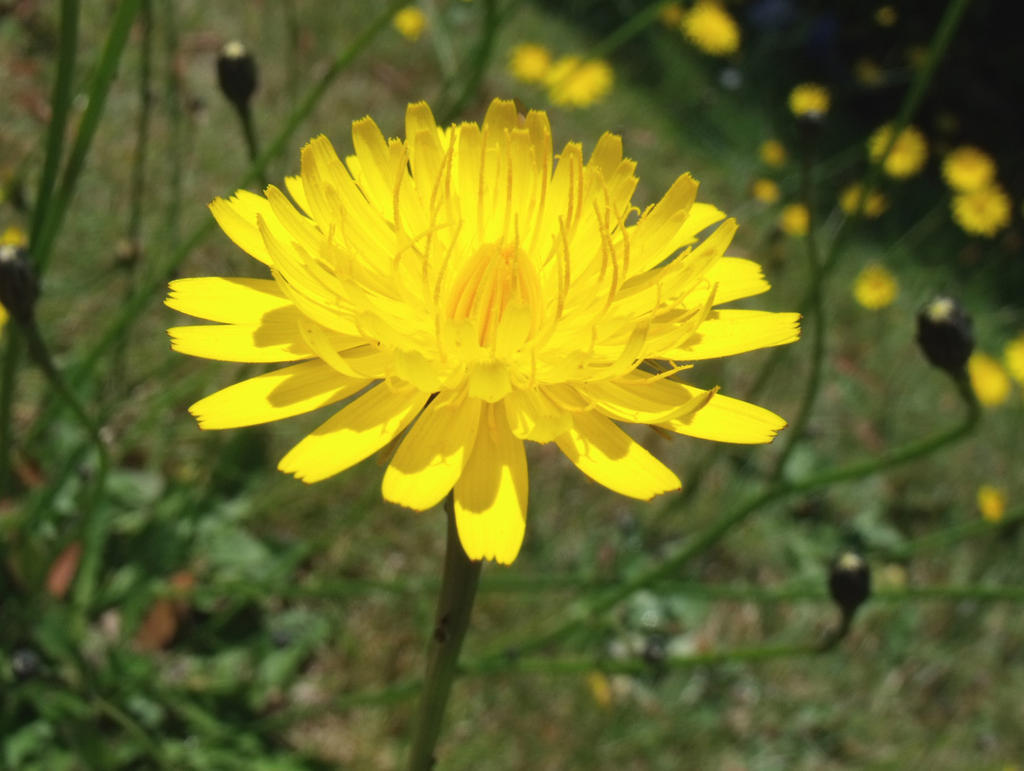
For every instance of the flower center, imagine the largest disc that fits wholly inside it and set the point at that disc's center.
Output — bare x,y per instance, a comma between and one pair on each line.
494,278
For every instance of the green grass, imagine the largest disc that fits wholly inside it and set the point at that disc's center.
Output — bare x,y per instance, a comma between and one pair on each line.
310,606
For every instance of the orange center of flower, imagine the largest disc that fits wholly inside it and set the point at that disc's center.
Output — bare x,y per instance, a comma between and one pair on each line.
491,280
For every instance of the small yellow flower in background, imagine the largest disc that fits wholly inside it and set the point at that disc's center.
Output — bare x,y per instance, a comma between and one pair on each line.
574,82
988,379
873,207
1013,355
991,503
968,168
469,289
868,72
908,154
765,190
671,15
410,22
711,28
600,688
530,62
809,100
14,236
982,212
773,153
886,16
794,219
875,287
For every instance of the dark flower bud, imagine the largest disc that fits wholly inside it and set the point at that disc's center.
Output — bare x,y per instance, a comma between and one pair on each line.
25,663
944,334
849,582
18,285
236,73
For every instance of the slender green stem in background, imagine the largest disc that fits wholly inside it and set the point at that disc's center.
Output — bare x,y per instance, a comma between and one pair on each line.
633,26
12,353
441,39
103,76
454,607
138,183
816,291
251,143
478,63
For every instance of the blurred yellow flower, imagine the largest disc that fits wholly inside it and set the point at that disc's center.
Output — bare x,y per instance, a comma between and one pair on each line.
711,28
968,168
14,236
874,205
530,62
466,289
574,82
794,219
886,16
991,503
773,153
982,212
765,190
600,688
809,100
868,72
875,287
1013,355
908,154
410,21
988,379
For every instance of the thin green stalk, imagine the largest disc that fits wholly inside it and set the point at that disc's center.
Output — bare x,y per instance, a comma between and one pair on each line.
42,244
477,65
633,26
816,290
12,353
454,607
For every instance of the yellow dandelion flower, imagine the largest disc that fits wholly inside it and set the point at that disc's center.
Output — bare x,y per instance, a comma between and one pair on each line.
988,379
671,15
794,219
410,22
874,205
967,168
886,16
868,72
1013,355
574,82
982,212
991,503
773,153
600,688
809,100
908,154
711,28
14,236
765,190
875,287
468,290
530,62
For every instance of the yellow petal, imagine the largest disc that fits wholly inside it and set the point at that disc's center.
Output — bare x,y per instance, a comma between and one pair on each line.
640,399
724,419
728,332
606,454
228,300
358,430
491,495
275,338
296,191
533,416
432,455
736,278
275,395
237,218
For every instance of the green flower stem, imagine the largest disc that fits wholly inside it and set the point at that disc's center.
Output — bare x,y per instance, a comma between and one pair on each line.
12,353
633,26
454,606
251,143
477,65
106,69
